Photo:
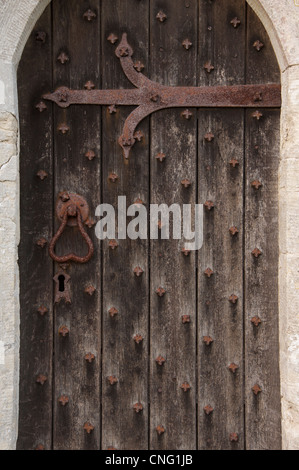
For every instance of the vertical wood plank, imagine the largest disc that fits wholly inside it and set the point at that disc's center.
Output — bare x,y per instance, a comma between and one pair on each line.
262,385
79,40
222,46
123,427
34,79
173,409
218,318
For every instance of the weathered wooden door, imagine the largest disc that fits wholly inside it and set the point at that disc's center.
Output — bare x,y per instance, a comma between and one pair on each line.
150,347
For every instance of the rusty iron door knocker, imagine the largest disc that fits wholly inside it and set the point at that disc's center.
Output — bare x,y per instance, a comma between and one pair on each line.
72,210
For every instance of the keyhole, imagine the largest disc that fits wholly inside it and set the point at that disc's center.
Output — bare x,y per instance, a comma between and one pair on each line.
61,280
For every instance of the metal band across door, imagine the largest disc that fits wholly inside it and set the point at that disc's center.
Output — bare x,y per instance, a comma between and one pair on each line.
142,344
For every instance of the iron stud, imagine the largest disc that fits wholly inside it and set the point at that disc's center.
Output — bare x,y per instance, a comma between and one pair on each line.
63,400
161,157
65,197
155,98
89,358
90,155
89,15
258,97
42,175
235,22
187,44
208,340
209,273
256,321
138,136
186,252
234,231
63,331
138,408
186,387
187,114
233,299
209,136
186,183
112,380
112,109
112,38
90,290
256,184
233,367
138,339
113,244
90,222
160,292
113,312
63,58
88,427
161,16
160,430
234,162
209,67
138,202
41,106
160,360
233,437
208,410
256,389
138,271
257,115
186,319
258,45
41,36
41,242
89,85
138,66
209,205
256,253
113,177
42,310
40,447
41,379
63,128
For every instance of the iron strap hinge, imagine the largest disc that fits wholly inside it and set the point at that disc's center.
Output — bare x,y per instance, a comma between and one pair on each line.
150,96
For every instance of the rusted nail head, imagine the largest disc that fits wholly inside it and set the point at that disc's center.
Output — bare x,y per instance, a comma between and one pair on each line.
160,360
208,340
88,427
138,407
160,430
208,410
113,312
186,319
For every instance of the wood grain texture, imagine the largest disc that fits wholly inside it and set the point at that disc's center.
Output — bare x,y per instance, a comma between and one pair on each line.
218,318
263,430
74,377
220,168
221,182
123,427
170,406
36,269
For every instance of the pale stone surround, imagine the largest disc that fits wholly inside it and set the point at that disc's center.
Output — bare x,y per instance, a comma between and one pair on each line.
281,19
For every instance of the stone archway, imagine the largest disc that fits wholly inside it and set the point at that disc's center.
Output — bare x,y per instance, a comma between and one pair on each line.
281,21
